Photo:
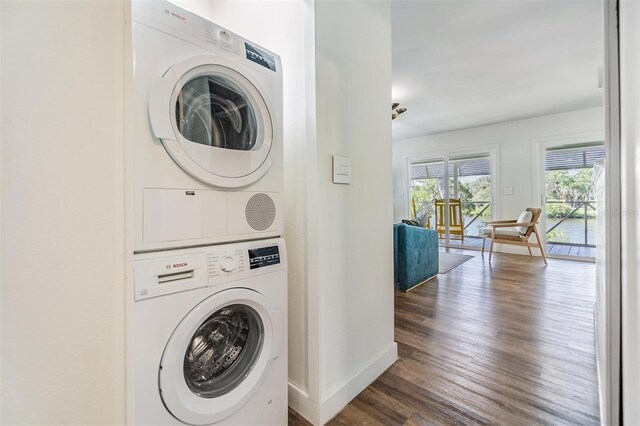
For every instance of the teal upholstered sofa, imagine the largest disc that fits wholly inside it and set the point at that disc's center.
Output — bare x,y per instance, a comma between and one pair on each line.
415,255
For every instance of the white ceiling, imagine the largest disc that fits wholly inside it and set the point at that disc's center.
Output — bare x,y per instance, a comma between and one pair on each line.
460,64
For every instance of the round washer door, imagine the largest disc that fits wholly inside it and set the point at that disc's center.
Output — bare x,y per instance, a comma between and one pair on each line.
218,355
213,121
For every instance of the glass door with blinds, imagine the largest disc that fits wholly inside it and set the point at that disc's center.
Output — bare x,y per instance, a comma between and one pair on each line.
570,199
453,195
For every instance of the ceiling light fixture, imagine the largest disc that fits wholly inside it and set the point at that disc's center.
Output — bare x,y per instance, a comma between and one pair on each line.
397,110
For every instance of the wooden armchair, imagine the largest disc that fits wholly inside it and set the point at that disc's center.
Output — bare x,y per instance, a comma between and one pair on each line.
456,221
515,232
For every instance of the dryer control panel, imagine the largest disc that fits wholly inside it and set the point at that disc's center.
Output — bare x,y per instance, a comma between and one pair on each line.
176,21
161,273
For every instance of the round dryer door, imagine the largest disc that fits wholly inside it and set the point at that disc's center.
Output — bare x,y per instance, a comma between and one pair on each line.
213,121
218,355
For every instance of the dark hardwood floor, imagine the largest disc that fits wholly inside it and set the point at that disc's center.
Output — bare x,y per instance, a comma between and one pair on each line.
508,343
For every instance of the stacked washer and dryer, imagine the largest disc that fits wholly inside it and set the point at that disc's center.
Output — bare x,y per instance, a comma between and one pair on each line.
210,272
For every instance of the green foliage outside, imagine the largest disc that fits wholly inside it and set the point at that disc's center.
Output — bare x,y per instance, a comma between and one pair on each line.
558,210
424,192
471,191
569,187
474,191
558,236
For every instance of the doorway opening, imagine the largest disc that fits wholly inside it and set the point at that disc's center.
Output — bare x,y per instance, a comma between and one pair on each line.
571,176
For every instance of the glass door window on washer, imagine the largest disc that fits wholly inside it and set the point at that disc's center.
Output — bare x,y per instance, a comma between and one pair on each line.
223,351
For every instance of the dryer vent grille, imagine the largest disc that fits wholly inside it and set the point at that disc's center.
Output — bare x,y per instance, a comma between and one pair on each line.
260,212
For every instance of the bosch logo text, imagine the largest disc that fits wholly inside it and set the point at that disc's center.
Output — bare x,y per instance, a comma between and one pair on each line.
176,265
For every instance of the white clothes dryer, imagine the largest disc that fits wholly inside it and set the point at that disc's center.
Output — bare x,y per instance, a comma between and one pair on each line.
210,336
207,132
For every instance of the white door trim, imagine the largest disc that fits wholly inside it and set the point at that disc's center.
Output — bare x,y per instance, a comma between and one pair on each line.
610,391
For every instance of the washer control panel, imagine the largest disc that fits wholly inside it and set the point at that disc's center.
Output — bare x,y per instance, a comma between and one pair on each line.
158,274
240,260
226,262
264,256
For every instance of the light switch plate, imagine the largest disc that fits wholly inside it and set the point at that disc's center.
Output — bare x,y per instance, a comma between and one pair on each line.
341,170
508,190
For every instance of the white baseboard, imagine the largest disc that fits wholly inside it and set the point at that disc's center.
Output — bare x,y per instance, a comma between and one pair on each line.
320,414
300,402
339,399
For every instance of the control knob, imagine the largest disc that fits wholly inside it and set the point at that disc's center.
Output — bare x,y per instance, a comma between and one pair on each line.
225,38
227,264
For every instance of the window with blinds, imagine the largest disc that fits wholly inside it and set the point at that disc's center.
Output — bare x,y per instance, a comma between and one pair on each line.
583,157
477,166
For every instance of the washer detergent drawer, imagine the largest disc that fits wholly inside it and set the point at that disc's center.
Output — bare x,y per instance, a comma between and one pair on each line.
183,214
166,275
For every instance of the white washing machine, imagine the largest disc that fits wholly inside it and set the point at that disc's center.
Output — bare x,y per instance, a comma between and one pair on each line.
210,335
207,132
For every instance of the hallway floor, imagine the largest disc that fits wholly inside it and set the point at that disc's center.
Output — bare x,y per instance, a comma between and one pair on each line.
509,343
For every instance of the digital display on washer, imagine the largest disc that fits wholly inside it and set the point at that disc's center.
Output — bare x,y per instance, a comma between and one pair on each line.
264,256
259,56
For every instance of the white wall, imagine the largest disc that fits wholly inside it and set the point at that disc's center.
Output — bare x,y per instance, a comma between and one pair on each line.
630,179
514,142
62,261
355,239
